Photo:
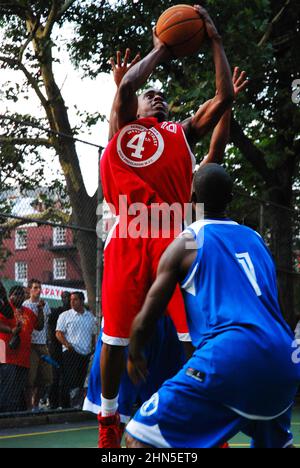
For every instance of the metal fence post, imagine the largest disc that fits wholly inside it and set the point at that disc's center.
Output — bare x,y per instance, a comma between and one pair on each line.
99,263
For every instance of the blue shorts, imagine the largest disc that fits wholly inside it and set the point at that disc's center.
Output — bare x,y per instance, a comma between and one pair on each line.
180,415
165,357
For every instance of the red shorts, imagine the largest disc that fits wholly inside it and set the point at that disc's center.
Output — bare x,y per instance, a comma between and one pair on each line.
130,267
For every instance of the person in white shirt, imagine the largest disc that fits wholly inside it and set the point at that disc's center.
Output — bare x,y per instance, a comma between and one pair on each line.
40,373
75,330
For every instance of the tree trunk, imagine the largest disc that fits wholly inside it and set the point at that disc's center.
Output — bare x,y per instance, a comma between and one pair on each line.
83,206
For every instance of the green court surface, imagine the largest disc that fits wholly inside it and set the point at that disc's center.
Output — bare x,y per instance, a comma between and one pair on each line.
84,435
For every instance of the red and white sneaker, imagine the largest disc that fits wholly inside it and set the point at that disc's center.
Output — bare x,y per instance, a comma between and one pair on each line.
109,431
224,446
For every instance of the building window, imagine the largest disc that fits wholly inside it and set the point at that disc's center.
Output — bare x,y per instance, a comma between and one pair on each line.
59,236
21,271
21,239
59,269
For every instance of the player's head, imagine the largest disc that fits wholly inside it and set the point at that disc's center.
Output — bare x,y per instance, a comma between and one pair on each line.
213,187
152,103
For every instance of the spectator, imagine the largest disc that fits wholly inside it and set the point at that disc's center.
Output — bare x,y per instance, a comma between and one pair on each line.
55,349
75,329
16,326
40,374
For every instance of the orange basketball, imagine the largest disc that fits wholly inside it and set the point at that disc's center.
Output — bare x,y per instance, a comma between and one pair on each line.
181,29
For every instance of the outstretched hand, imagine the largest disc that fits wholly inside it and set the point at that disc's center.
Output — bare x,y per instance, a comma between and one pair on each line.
119,67
239,81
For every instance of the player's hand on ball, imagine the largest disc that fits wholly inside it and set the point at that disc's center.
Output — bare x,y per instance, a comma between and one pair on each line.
158,44
137,369
210,27
119,67
239,81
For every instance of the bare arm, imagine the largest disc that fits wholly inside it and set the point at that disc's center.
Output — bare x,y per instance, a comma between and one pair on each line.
119,69
210,113
173,267
60,336
125,105
10,331
40,316
221,133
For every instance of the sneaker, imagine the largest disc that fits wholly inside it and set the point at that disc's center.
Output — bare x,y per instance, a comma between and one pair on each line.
224,446
109,431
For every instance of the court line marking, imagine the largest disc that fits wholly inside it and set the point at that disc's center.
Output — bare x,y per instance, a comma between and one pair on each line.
16,436
48,432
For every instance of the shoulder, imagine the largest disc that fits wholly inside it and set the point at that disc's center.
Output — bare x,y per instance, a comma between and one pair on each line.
65,315
89,315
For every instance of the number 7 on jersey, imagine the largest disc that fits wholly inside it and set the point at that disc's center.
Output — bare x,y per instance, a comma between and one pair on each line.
248,267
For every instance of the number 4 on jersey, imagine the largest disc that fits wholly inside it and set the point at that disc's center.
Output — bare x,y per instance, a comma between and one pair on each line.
246,262
138,147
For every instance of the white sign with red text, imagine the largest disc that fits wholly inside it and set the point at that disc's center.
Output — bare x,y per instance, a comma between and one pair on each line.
54,292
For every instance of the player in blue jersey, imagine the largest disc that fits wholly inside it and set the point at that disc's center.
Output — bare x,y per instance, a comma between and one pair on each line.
165,356
241,376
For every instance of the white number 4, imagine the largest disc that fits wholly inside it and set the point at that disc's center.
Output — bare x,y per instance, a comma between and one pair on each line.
138,147
246,262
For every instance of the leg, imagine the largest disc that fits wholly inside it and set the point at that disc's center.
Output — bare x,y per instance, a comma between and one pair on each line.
125,279
34,362
112,365
181,415
271,434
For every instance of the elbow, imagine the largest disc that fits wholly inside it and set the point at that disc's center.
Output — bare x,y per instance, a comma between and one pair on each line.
126,87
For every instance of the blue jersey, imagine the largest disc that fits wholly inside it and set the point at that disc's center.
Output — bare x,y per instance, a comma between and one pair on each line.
243,345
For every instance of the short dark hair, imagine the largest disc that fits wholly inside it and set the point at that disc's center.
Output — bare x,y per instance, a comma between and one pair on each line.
213,186
79,294
18,290
32,281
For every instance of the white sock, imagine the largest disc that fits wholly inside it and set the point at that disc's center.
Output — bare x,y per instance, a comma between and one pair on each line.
109,406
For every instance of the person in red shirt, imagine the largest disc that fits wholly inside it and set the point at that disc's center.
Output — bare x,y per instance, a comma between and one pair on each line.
149,161
16,326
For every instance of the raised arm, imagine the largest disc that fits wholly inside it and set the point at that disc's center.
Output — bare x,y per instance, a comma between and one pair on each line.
119,68
210,113
125,105
221,133
172,268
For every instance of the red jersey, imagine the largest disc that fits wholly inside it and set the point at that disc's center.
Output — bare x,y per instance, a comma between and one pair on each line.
149,162
21,356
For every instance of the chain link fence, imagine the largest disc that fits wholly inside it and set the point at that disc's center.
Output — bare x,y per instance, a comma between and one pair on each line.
46,251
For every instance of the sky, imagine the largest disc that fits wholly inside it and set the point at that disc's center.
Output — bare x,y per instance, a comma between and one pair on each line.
88,95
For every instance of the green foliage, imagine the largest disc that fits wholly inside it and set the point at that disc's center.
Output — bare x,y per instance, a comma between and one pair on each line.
271,61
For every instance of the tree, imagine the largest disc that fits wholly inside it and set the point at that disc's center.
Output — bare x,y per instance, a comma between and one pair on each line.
261,37
27,46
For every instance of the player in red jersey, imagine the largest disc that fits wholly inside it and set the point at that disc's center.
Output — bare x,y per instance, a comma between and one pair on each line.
149,161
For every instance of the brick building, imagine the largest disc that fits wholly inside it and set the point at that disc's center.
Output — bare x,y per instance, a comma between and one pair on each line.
41,251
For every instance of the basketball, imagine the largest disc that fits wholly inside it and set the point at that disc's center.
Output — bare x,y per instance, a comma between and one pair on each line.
181,29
